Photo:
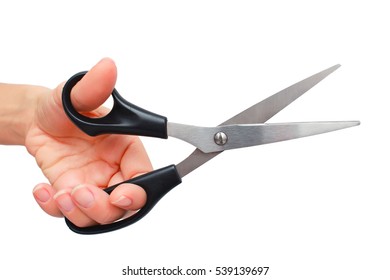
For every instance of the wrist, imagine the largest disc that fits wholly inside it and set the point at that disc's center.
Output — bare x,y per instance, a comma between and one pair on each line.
17,109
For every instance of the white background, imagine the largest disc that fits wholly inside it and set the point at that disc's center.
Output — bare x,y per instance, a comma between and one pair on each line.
314,208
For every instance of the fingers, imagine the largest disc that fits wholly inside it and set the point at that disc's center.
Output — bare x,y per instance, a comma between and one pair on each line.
43,194
128,197
94,203
69,209
95,87
87,205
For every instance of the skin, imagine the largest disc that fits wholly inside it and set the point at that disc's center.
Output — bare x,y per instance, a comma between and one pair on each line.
76,165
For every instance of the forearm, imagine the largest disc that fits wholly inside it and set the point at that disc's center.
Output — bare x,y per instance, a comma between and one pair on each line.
17,108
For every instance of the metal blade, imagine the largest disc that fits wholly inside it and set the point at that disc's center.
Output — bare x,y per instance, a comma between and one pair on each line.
258,113
276,132
228,137
269,107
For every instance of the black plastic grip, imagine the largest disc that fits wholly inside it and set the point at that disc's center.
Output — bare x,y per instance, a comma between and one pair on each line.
156,184
124,118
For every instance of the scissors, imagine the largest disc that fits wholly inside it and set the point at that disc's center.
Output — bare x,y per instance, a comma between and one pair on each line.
246,129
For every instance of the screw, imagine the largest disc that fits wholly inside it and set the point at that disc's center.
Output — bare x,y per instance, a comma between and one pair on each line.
220,138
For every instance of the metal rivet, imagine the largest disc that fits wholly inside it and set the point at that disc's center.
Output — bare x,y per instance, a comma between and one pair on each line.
220,138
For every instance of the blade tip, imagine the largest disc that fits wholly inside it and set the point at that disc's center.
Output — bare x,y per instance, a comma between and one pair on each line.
353,123
335,67
331,69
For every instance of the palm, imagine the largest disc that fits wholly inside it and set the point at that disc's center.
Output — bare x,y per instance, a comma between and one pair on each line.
68,157
71,161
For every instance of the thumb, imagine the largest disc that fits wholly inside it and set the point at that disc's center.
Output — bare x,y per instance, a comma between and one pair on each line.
95,87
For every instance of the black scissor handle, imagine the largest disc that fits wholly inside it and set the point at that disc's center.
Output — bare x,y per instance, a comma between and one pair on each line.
124,118
156,184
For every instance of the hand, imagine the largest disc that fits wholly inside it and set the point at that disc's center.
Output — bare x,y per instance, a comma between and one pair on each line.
78,166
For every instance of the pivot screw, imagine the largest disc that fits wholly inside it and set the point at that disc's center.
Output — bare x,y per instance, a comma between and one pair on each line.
220,138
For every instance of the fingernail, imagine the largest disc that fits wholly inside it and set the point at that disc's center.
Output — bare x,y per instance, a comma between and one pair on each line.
64,201
123,201
41,194
83,196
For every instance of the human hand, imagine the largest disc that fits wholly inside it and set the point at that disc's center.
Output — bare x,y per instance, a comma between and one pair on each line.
79,166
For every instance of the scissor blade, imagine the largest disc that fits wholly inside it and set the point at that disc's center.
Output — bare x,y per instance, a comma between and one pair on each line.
258,113
267,108
227,137
241,136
